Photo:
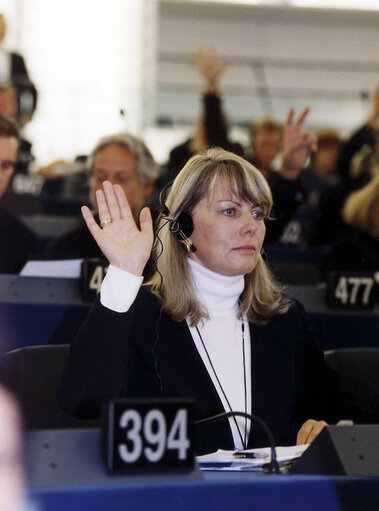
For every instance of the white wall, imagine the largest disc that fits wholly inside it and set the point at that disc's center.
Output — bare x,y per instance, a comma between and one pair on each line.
323,58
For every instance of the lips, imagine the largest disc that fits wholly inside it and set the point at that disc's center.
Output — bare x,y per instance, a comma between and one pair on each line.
245,248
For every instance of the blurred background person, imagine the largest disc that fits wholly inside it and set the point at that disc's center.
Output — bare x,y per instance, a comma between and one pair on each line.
13,70
9,109
12,480
121,159
321,171
358,248
266,141
212,128
18,243
357,164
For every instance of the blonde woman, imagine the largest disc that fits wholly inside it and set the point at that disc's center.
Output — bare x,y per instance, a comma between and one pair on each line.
359,248
211,324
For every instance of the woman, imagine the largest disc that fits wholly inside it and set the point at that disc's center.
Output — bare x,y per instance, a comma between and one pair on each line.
358,249
211,324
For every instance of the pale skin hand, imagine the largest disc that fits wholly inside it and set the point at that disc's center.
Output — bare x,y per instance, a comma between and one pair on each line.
210,67
121,241
297,144
309,430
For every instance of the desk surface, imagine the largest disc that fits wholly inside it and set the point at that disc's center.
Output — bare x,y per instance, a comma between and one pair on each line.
49,310
65,471
219,492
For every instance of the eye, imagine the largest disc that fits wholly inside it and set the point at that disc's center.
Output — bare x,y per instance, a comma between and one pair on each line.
258,214
229,211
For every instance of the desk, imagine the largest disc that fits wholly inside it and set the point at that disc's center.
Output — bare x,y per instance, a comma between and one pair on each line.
335,328
36,310
209,490
48,310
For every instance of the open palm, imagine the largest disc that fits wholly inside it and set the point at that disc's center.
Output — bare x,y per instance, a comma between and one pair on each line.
121,241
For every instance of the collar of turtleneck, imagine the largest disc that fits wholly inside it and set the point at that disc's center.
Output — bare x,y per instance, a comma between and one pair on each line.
218,293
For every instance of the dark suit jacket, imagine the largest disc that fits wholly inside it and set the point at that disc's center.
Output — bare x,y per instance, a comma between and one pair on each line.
113,355
18,243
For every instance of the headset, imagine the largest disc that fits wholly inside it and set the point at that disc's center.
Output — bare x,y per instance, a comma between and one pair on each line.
181,225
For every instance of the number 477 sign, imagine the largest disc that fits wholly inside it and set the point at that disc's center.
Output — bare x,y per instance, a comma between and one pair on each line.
352,290
148,435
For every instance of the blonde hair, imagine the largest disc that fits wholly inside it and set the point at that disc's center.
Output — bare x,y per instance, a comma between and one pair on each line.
261,297
358,211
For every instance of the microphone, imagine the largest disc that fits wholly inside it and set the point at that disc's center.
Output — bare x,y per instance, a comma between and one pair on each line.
273,465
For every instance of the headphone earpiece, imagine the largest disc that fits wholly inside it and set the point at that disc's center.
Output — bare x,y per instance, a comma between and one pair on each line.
181,225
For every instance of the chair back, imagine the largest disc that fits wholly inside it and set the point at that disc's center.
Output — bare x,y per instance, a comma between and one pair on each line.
33,373
358,370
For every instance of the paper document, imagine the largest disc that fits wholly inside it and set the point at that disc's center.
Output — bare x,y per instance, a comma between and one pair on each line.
69,269
250,459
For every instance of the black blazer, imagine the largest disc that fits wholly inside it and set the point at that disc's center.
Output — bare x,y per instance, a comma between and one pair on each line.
114,354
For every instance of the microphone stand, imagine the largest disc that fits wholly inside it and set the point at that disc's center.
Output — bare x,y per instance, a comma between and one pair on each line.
273,466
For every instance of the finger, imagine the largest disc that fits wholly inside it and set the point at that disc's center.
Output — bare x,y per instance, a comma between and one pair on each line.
123,204
290,115
303,434
146,222
102,206
112,202
302,116
318,426
311,139
90,221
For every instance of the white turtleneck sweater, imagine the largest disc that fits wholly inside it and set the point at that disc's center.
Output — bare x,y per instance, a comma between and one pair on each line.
221,334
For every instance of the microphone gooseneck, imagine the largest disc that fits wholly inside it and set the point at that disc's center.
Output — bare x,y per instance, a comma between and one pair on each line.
273,465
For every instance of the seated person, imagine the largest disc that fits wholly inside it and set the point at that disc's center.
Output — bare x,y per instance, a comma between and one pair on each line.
211,323
358,248
121,159
266,142
18,243
212,128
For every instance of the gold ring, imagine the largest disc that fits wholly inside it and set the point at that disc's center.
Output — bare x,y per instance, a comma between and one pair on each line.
105,221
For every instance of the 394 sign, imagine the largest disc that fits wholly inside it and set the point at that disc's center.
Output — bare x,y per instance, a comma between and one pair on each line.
351,290
148,435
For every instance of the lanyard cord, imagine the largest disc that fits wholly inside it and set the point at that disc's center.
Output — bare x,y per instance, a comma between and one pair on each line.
243,440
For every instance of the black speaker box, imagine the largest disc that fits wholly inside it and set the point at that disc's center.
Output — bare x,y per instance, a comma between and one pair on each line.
342,450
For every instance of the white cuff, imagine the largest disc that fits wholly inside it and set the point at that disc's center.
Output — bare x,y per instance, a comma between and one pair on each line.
119,289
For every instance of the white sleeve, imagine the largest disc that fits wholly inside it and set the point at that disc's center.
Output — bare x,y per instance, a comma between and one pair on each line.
119,289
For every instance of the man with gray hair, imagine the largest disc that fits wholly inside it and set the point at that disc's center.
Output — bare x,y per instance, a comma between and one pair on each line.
121,159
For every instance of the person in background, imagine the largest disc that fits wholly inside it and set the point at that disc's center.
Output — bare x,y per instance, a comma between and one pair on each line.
12,479
285,183
18,243
8,108
211,323
266,142
321,172
121,159
358,248
13,70
212,129
357,164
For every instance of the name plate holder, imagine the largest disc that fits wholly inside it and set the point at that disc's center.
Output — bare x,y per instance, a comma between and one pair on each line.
148,435
92,272
352,290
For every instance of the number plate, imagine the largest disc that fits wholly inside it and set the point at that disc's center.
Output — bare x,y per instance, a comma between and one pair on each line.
92,273
141,435
351,290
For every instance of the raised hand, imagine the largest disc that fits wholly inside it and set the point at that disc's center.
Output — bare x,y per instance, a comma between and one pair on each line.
121,241
297,144
210,67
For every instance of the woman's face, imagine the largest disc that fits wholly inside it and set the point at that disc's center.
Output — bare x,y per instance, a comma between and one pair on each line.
228,233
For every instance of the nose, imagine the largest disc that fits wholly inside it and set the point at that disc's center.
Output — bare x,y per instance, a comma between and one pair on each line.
248,224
